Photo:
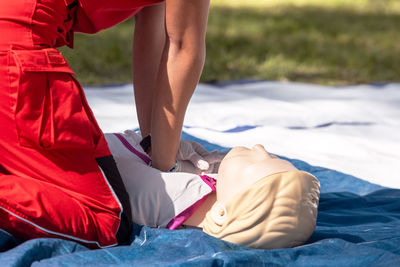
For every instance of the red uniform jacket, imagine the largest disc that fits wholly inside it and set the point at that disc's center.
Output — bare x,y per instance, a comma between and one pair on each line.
57,175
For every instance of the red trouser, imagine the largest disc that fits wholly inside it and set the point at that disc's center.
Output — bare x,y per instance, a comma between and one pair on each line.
57,175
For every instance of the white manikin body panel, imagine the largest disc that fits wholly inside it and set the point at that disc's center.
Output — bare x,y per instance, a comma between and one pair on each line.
156,197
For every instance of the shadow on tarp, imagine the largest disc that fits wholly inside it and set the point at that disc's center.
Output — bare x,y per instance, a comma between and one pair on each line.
358,225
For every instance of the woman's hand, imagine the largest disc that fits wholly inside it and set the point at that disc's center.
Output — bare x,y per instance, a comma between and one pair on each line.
194,158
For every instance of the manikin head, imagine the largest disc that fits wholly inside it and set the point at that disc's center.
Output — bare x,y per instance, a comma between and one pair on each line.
262,201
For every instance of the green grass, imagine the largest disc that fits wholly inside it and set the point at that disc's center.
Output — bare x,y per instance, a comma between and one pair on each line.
333,42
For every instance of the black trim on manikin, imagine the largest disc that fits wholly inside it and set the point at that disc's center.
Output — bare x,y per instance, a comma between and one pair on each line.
109,167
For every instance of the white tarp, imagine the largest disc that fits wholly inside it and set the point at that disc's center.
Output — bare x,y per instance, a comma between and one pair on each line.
351,129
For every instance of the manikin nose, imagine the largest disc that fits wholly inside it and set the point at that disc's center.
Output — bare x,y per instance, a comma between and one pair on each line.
260,148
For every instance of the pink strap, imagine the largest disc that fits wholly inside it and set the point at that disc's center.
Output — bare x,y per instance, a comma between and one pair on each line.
125,142
179,219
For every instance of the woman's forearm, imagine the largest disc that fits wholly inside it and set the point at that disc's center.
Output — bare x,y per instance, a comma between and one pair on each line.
177,83
149,43
180,70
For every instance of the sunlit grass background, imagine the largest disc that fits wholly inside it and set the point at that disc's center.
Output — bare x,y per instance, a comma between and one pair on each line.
326,42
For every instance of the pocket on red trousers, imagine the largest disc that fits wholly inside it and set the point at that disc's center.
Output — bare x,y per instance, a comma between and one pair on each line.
49,104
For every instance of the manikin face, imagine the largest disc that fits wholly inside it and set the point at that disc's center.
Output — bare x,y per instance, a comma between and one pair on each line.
242,167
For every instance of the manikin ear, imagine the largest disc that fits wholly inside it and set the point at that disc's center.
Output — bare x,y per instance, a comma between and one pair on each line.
218,213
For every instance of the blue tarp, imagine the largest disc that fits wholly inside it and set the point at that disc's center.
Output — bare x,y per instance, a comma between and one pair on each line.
358,225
